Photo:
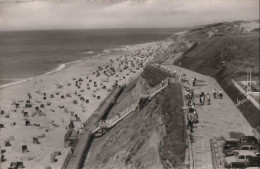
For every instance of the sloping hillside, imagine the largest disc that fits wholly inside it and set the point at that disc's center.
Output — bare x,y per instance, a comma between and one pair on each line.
144,139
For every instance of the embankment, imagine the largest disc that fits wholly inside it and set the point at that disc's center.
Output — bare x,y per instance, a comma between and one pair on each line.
151,137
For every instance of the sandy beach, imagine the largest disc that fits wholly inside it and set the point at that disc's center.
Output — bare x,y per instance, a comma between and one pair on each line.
42,107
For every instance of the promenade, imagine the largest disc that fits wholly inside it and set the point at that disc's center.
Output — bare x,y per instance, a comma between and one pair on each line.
220,118
74,161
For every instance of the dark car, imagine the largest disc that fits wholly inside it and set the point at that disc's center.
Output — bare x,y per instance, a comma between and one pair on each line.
236,165
253,161
231,143
232,152
242,146
248,139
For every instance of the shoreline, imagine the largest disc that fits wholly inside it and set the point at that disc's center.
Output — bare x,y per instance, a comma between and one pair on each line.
56,116
65,65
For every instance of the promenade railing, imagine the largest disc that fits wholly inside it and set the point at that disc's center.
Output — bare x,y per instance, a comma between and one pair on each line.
70,153
120,115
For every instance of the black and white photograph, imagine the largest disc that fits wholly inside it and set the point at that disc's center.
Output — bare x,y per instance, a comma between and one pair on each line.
129,84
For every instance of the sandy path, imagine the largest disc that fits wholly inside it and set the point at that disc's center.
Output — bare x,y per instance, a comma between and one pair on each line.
217,119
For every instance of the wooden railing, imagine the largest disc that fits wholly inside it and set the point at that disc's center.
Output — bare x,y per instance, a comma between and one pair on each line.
70,153
95,114
249,97
110,123
158,87
82,157
172,73
68,133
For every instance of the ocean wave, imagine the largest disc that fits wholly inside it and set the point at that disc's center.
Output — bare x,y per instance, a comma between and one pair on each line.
180,33
59,68
13,83
18,81
89,52
106,51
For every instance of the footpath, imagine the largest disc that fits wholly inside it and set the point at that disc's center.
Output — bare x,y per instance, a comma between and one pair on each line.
220,118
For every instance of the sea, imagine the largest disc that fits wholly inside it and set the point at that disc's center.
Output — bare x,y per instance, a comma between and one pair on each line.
25,54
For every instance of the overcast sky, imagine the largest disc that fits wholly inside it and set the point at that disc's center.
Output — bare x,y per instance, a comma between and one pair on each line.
123,13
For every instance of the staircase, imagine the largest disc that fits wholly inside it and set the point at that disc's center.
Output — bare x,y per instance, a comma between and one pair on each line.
107,124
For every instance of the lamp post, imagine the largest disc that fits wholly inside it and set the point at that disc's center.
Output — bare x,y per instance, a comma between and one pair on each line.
0,151
248,80
180,66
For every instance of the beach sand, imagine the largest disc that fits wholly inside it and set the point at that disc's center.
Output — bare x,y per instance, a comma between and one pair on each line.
75,83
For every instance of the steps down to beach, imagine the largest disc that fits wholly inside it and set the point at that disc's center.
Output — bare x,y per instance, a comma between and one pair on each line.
77,155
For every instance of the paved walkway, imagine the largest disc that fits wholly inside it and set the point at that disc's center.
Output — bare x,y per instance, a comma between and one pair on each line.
75,159
84,137
215,120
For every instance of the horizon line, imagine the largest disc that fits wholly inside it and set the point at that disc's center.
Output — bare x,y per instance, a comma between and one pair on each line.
65,29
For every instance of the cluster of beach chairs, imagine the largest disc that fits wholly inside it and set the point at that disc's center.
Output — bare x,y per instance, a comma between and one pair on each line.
80,91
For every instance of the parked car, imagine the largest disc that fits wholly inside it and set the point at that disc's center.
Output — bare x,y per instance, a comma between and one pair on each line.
230,143
244,146
241,157
250,163
254,161
248,139
231,153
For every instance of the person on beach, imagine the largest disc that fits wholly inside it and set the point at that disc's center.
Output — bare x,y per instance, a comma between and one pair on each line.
189,95
190,124
194,81
29,95
192,93
214,94
196,116
202,98
220,95
193,105
80,130
208,98
190,103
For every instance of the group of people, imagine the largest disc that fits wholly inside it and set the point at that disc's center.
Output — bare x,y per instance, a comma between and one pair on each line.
193,116
192,112
203,98
218,94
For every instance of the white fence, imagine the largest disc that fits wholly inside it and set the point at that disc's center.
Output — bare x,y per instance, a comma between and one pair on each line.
156,65
120,115
248,96
111,122
158,87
